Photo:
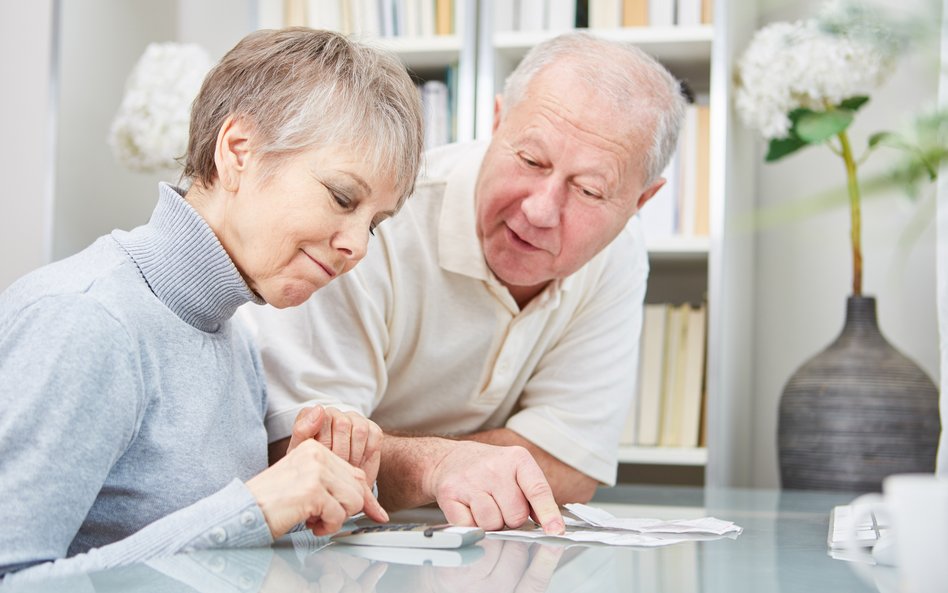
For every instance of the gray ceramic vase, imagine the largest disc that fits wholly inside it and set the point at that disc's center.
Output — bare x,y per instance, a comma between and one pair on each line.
856,412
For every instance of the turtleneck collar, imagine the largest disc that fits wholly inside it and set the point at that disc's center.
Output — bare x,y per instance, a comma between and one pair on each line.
185,264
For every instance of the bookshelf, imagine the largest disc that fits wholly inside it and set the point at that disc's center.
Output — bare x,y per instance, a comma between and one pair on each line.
692,456
716,268
427,55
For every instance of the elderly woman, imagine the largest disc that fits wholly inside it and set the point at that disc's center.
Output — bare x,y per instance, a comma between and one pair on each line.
132,404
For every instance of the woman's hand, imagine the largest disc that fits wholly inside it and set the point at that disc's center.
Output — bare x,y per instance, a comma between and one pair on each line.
312,484
350,435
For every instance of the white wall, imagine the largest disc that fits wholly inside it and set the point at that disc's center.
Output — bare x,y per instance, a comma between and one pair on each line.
100,41
804,270
942,259
25,118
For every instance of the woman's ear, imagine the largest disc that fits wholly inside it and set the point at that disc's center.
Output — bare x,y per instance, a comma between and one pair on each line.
231,152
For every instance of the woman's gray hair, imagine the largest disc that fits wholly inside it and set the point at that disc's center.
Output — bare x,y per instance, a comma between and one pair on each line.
634,81
302,88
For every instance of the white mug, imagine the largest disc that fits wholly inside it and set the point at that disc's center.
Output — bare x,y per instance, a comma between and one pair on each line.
915,507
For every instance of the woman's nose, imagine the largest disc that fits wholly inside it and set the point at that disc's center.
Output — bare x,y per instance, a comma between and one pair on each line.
352,240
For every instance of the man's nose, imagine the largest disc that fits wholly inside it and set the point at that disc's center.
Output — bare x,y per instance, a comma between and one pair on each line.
543,207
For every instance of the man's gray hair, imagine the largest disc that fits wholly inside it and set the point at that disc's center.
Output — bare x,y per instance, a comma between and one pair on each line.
301,88
634,81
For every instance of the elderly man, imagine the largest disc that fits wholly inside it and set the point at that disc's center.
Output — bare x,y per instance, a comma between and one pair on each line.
502,309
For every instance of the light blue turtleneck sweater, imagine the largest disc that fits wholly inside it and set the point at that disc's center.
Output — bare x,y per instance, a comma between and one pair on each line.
126,394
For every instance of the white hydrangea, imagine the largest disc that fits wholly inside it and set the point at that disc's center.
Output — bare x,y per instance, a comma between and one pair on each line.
791,65
150,130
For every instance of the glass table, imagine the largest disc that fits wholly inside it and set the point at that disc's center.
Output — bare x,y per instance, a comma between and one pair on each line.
782,549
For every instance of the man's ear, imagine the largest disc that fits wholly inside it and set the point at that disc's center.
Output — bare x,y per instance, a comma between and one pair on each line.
231,152
498,110
649,192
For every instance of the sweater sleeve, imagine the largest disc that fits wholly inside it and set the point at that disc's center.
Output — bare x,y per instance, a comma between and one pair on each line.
71,402
229,518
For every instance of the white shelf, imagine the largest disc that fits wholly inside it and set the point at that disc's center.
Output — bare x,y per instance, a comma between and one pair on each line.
420,53
663,455
679,248
669,44
686,51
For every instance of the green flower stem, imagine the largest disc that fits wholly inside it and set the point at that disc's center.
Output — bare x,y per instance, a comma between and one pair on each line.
856,231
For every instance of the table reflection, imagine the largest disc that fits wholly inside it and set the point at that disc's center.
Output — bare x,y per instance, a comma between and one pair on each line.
782,550
304,563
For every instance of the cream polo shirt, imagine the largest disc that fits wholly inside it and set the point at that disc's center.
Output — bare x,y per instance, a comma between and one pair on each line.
423,338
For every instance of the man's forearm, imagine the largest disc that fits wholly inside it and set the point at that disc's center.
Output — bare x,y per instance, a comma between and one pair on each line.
568,483
407,462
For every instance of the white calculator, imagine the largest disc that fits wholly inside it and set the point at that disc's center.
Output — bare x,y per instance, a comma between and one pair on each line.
411,535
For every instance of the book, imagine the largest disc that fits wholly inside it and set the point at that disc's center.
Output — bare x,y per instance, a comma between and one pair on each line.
532,15
387,18
459,11
635,13
674,372
582,14
692,380
366,18
707,12
687,172
347,16
434,103
605,14
294,13
444,17
324,14
411,18
702,185
660,214
661,13
427,19
561,15
703,431
688,13
504,15
651,375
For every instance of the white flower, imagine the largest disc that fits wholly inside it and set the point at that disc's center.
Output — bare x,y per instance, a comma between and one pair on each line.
791,65
150,130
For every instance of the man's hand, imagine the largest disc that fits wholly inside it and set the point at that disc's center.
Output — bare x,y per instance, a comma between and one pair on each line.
568,483
312,484
350,435
473,483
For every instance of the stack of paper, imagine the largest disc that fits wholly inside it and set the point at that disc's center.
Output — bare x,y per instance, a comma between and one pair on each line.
596,525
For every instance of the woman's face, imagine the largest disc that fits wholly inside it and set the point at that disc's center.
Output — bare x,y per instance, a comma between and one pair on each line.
307,223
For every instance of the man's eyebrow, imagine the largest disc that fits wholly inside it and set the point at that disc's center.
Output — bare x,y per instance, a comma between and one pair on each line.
531,137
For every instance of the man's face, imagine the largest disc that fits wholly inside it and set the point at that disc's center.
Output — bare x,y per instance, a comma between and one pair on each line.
559,181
